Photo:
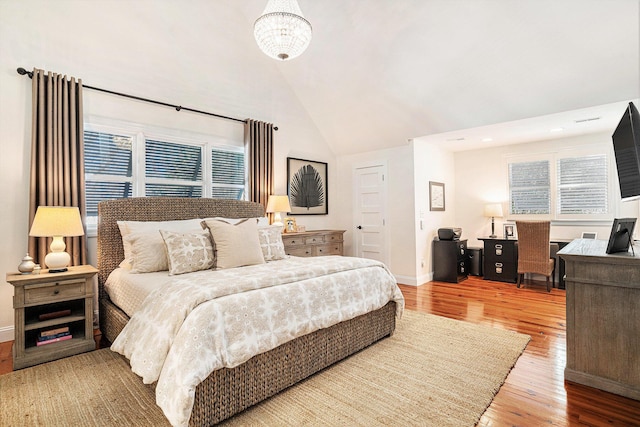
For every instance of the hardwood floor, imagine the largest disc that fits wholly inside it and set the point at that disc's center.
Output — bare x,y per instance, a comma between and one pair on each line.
534,393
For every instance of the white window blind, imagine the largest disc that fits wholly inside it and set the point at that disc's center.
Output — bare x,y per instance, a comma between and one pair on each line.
582,185
529,188
108,168
174,169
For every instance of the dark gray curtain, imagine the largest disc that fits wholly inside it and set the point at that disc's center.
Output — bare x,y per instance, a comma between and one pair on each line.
258,140
57,156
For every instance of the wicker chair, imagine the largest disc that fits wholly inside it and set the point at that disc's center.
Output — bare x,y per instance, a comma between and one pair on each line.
533,250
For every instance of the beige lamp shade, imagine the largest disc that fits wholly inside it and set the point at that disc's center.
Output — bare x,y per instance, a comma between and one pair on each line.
493,210
57,222
277,204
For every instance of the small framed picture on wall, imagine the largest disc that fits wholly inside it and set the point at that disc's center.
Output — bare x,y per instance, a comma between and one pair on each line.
436,196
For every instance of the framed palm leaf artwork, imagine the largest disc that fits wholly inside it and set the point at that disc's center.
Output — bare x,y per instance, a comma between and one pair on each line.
307,187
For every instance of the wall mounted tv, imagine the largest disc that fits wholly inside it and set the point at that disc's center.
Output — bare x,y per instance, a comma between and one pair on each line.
626,146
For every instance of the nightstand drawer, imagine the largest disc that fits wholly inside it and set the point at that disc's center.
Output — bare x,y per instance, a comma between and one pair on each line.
59,290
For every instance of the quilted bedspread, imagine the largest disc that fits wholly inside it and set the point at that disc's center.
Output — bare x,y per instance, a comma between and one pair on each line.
199,322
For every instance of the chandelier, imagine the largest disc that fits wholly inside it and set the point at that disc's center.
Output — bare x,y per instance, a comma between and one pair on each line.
282,32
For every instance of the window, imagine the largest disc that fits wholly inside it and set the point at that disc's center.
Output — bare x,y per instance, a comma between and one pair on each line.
563,185
125,164
582,185
529,188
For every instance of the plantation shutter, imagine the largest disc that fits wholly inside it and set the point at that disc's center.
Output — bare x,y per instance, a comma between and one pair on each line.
529,188
107,159
173,170
227,174
582,185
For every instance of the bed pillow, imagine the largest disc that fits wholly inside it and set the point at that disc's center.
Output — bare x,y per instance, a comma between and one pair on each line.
188,252
130,227
270,237
235,245
146,252
261,220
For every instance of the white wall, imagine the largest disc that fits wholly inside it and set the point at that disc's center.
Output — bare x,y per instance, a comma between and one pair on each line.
105,44
400,204
431,163
481,177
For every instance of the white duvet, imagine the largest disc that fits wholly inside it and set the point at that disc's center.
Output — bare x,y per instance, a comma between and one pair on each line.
199,322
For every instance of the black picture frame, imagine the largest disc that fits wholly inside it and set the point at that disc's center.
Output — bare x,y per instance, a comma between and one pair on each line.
436,196
307,187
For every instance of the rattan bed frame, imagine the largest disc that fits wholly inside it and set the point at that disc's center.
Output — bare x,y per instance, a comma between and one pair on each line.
228,391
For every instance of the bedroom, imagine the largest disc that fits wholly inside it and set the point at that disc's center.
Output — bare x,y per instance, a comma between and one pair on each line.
194,61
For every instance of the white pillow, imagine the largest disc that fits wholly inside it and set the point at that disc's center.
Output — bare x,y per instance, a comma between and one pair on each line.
129,227
270,237
261,220
235,245
147,252
188,252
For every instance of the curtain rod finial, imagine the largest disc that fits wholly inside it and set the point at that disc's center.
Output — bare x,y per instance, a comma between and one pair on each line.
22,72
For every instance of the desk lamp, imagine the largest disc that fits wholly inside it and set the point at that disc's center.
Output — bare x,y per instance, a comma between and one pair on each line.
57,222
492,211
276,205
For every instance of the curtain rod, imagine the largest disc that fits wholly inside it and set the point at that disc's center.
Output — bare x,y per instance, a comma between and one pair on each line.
23,72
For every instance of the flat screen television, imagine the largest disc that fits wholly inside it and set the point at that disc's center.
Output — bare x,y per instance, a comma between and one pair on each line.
621,235
626,146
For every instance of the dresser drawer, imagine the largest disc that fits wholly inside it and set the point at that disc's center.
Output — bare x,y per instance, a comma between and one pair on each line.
52,291
332,249
299,251
313,240
293,240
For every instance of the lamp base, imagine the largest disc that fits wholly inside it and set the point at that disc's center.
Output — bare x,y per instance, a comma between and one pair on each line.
57,260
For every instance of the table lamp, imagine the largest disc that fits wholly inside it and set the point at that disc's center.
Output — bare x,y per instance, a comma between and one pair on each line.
493,210
57,222
276,205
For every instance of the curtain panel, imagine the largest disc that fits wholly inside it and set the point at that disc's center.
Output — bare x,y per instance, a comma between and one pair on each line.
258,140
57,156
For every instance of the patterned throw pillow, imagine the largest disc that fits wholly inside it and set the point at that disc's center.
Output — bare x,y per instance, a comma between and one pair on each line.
235,245
188,252
271,242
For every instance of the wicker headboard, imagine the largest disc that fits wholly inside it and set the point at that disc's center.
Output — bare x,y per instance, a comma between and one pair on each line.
110,251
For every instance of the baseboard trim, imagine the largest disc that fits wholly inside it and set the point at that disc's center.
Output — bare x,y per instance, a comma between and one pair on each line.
7,334
414,281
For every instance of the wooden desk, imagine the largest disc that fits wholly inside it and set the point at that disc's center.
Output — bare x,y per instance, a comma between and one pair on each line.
603,318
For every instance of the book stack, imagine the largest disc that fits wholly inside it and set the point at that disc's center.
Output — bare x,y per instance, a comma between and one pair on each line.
54,335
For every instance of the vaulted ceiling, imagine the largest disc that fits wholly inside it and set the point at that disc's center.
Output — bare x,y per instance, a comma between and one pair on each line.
380,72
377,72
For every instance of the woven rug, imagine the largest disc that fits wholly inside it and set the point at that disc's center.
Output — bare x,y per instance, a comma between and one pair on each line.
433,372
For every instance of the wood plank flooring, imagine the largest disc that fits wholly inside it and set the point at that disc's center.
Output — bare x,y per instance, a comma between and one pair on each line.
534,393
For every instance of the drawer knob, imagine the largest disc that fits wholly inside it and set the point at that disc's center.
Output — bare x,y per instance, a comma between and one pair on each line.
56,292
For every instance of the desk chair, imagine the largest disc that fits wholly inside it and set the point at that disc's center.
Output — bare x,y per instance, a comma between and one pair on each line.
533,250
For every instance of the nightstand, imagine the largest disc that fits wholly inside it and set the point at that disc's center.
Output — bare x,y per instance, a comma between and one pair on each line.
313,243
52,304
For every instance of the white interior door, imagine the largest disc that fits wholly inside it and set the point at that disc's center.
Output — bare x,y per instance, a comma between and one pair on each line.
370,212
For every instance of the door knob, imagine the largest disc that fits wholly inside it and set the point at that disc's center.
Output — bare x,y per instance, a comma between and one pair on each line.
359,227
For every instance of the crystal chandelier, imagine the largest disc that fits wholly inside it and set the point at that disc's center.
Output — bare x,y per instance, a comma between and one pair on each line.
281,31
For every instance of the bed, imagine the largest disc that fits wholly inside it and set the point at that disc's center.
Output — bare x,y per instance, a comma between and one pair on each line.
227,391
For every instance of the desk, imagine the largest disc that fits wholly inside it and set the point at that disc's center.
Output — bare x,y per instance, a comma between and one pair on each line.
501,259
603,318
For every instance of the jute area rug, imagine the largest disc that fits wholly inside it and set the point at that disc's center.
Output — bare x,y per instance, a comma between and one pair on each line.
432,372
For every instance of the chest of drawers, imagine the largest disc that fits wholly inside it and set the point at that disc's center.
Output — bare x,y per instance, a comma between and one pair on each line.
450,260
500,259
314,243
